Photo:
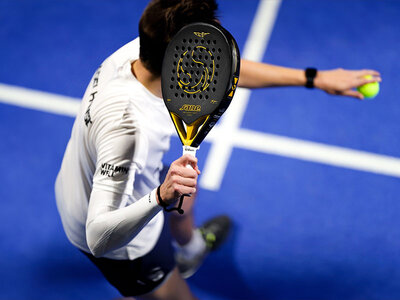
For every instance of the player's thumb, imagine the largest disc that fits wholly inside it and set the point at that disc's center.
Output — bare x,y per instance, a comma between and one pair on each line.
190,160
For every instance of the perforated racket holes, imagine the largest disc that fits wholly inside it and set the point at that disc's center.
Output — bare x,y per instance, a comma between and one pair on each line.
195,68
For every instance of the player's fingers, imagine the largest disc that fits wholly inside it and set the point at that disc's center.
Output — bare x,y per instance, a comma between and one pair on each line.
187,159
183,189
189,172
182,170
197,170
179,180
363,80
368,72
174,186
354,94
367,76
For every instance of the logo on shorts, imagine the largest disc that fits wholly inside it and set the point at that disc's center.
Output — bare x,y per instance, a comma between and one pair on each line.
156,274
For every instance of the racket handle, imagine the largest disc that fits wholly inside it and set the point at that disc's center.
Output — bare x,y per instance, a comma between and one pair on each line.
191,151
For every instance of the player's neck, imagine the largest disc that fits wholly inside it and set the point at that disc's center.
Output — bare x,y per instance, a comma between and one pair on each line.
149,81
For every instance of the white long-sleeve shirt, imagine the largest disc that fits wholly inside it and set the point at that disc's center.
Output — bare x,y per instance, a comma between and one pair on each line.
105,189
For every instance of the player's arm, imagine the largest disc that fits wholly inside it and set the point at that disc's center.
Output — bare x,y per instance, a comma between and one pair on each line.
334,82
110,226
122,150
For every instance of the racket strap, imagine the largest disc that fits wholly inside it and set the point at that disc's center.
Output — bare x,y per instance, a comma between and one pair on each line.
166,207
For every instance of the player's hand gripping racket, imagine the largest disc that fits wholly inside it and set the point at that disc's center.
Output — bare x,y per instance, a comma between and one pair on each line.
199,76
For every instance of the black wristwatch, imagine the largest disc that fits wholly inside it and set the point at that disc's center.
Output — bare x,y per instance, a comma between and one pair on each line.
311,73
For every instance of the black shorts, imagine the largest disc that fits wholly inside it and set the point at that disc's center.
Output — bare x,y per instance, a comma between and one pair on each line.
144,274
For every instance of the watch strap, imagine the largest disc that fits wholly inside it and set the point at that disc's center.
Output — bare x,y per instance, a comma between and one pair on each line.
310,73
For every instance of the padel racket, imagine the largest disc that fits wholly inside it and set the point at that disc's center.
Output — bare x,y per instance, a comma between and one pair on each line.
199,76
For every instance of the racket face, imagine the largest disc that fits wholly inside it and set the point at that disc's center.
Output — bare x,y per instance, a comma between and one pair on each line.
199,76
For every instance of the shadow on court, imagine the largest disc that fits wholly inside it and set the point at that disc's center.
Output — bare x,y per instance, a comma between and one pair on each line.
68,273
295,278
220,276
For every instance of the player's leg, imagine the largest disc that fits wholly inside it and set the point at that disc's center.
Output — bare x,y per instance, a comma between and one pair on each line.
194,244
182,226
152,275
174,288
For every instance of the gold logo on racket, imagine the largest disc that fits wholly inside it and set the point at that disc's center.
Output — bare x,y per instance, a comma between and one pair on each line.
195,70
201,34
190,108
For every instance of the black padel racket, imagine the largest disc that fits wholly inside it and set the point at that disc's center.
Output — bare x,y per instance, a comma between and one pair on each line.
199,76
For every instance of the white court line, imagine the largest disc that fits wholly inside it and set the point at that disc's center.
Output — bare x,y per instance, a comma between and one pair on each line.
254,50
317,152
42,101
241,138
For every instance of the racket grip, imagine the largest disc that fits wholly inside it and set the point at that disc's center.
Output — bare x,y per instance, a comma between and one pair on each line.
191,151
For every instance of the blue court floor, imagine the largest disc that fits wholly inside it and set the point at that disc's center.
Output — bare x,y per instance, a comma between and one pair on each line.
303,229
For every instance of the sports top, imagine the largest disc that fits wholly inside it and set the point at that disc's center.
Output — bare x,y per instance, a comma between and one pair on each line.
113,159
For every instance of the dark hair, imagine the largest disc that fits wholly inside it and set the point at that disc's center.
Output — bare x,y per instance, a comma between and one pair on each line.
162,19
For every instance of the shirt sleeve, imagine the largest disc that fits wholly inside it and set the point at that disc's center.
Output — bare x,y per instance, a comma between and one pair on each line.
121,148
109,227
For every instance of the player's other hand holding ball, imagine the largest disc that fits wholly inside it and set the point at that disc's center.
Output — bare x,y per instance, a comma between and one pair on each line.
359,84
